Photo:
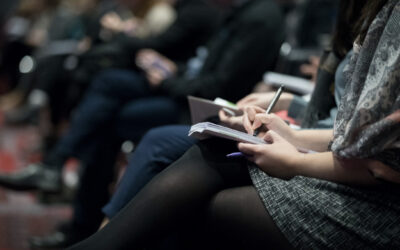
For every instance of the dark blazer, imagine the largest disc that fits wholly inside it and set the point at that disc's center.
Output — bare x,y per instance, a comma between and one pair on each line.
246,45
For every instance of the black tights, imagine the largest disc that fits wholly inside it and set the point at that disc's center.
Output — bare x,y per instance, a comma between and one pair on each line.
202,187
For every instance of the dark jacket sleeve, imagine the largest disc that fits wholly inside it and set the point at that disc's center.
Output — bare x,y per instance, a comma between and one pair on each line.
251,51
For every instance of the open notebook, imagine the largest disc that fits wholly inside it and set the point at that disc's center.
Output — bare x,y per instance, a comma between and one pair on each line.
204,130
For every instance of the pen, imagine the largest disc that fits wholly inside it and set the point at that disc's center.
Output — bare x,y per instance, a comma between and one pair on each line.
241,155
235,155
228,112
271,106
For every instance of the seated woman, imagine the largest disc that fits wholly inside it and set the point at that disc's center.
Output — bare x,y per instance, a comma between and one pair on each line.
345,196
161,146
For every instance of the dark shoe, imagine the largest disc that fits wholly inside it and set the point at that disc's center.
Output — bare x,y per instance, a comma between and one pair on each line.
34,177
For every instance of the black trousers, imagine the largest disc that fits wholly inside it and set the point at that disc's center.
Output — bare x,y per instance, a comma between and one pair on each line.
203,194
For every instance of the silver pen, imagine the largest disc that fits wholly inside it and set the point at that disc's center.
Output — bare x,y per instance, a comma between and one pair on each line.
271,106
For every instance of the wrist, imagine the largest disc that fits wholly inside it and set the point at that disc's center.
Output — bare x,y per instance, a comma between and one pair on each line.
290,135
295,162
298,139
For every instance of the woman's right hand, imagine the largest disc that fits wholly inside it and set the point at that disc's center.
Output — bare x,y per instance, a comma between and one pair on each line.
256,118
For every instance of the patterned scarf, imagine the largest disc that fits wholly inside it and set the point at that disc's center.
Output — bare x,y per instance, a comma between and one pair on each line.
368,122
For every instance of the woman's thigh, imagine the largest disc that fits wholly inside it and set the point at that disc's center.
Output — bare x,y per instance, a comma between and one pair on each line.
240,220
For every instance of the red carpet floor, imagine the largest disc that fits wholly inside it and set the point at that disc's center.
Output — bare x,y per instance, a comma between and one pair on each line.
21,213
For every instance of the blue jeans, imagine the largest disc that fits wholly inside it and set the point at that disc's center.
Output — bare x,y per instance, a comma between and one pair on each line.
158,149
118,106
119,98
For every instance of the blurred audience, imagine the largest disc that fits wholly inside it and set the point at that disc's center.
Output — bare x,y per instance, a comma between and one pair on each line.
65,67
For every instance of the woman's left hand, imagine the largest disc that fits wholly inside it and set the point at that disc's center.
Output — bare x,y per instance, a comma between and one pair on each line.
235,122
277,158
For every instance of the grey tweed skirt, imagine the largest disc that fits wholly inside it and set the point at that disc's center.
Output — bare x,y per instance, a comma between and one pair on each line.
318,214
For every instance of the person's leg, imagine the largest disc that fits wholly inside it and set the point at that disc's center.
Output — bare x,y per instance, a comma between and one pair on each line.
159,148
138,116
172,198
239,220
98,160
93,117
99,109
100,154
93,192
95,176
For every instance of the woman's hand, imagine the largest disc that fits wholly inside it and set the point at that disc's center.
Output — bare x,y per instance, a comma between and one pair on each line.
249,116
235,122
256,118
276,159
377,169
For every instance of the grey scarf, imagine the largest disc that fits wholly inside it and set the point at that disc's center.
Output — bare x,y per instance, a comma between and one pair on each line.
368,122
